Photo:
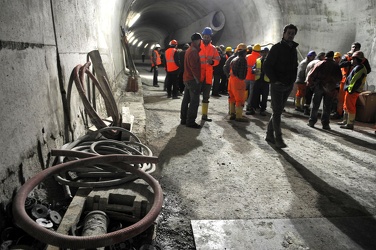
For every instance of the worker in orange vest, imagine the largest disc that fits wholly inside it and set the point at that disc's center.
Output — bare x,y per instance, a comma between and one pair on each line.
155,59
236,84
172,69
209,58
250,79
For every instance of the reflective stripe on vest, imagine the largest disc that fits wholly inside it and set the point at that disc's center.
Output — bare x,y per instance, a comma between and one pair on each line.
170,62
258,71
158,58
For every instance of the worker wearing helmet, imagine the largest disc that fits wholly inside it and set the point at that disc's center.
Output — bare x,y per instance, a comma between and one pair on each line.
209,58
250,79
261,87
155,59
236,83
228,52
353,86
346,67
337,57
172,69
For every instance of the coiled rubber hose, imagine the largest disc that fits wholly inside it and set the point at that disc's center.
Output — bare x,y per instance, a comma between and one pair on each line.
23,220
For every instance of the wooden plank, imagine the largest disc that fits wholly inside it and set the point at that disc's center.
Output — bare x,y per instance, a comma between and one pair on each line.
73,213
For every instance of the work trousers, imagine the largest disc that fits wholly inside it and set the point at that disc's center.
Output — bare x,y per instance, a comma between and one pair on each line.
279,94
261,89
172,84
190,102
205,88
236,90
318,95
249,86
155,76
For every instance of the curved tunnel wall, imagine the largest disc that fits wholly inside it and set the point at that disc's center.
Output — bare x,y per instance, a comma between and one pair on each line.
39,51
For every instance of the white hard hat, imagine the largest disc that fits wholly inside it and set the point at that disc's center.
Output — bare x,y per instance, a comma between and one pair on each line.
157,45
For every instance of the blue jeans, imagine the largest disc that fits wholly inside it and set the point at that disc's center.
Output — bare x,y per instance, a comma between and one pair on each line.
249,86
279,94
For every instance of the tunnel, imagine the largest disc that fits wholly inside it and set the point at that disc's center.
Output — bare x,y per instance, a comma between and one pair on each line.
41,42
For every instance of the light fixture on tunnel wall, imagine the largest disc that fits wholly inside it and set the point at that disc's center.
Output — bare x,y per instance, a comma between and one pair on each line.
134,20
130,34
131,39
146,45
140,43
135,41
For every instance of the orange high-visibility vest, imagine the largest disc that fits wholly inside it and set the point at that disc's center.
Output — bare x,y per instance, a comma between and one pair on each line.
206,53
251,60
158,58
170,62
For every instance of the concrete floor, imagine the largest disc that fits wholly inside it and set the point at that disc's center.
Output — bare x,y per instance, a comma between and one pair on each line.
231,190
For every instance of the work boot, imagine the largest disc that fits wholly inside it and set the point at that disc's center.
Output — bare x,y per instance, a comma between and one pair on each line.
350,122
336,116
326,126
345,118
297,103
205,107
205,118
306,111
311,124
251,111
232,111
279,143
270,137
347,126
239,115
194,125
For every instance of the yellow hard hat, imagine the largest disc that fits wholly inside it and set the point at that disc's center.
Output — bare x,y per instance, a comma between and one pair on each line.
256,47
337,54
241,46
228,49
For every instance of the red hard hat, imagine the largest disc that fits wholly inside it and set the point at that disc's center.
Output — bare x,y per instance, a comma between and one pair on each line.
173,42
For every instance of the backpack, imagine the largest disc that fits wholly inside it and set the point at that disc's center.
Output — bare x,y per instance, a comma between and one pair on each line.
239,67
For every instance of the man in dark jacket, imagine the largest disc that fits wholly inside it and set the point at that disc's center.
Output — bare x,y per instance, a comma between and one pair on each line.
324,77
191,78
281,67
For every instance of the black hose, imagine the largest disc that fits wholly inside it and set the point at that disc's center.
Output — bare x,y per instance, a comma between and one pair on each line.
23,220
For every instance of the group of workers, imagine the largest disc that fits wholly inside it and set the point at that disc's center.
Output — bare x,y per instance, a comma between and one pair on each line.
250,72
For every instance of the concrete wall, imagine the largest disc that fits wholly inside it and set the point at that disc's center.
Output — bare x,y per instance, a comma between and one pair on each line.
40,44
42,41
323,25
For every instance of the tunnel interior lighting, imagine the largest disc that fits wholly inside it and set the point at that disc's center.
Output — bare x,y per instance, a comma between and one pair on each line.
135,41
140,43
130,34
146,45
134,20
131,39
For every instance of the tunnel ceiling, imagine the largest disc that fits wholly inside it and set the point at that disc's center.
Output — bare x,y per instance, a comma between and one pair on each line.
159,18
